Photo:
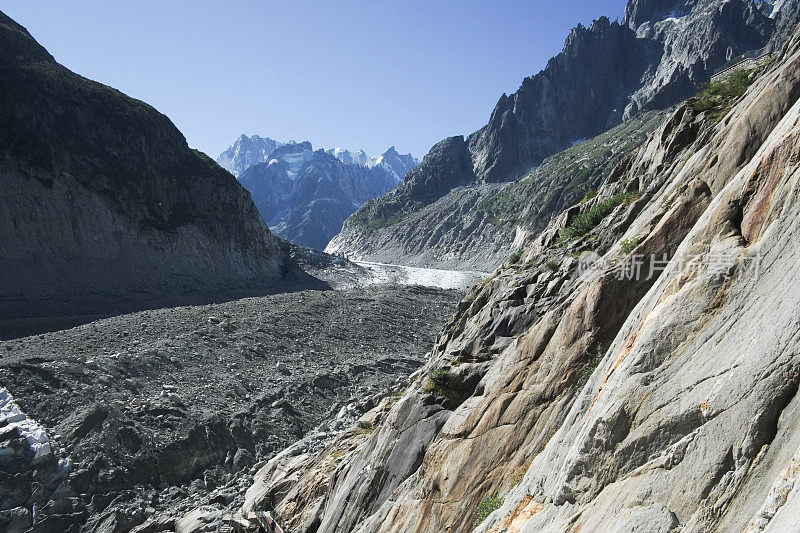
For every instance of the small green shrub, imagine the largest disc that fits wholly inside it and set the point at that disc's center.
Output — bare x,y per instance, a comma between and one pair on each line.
487,507
592,361
628,245
552,265
515,257
629,197
585,222
439,383
716,94
588,195
364,428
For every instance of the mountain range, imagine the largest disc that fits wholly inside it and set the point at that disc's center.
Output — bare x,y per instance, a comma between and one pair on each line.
305,195
657,55
632,364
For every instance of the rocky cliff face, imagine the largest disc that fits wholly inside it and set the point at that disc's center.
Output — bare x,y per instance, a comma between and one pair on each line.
478,226
605,74
306,195
104,206
636,370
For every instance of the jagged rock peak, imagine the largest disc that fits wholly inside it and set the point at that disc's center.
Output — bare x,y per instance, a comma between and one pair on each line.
291,148
247,151
638,12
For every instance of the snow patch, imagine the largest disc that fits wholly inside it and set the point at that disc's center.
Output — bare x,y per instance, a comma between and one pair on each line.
426,277
11,416
297,161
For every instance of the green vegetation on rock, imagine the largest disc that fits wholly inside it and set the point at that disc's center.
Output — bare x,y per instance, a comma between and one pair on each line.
592,361
585,222
717,94
568,177
515,257
628,245
438,382
487,507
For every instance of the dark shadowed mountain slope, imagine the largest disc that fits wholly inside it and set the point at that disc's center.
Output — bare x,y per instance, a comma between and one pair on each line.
104,206
606,73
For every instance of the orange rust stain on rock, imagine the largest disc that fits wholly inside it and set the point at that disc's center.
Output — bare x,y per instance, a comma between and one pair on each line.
622,354
761,186
524,511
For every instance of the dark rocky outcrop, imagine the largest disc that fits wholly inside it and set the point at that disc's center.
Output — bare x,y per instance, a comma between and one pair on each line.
104,206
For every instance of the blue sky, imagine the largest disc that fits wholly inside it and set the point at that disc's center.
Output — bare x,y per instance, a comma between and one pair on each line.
368,73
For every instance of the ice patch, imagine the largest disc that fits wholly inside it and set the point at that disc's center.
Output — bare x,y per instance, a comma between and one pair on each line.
12,417
426,277
297,161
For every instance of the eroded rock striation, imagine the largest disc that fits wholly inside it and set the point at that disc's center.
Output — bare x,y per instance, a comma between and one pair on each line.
636,370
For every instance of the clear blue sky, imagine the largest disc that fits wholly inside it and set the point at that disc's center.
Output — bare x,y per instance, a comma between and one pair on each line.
370,73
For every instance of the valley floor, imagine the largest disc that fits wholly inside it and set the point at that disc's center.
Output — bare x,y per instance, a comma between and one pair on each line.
162,410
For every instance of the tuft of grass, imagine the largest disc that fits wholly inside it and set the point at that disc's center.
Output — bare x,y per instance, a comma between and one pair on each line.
628,245
487,507
518,474
439,382
629,197
585,222
364,428
515,257
588,195
716,94
592,361
552,265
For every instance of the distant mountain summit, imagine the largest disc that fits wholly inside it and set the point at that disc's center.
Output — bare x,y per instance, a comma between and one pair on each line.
246,152
305,195
396,164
